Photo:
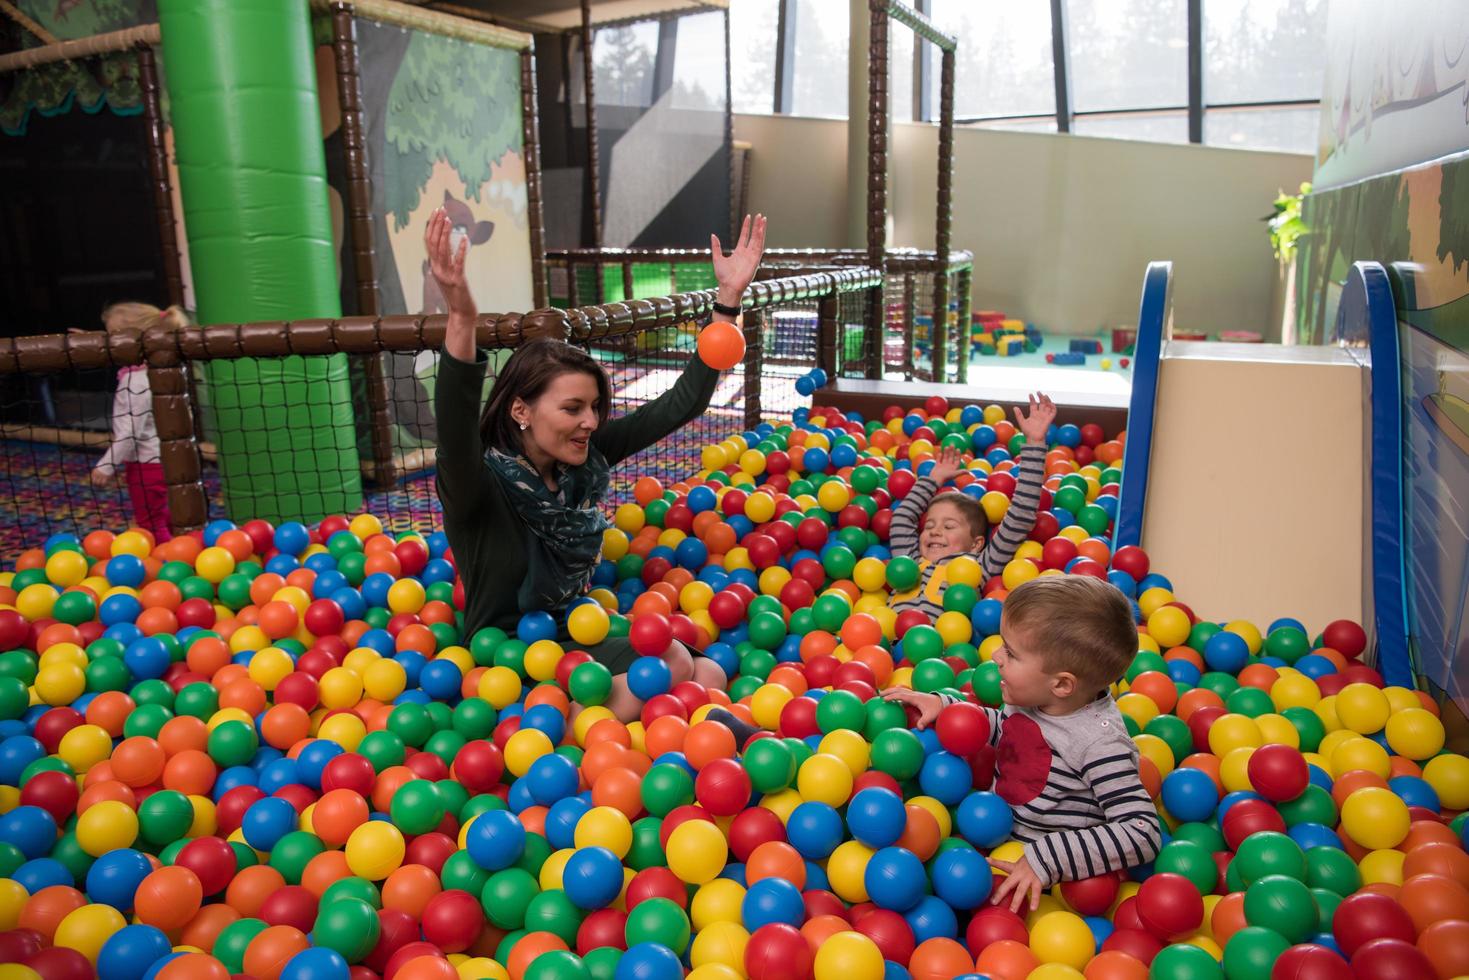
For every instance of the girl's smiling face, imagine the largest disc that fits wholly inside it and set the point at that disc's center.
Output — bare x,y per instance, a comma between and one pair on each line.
946,532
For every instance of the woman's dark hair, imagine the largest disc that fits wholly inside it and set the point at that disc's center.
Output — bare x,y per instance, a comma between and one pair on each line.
527,375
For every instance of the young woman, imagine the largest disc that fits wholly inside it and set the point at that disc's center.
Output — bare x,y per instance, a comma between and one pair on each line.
521,487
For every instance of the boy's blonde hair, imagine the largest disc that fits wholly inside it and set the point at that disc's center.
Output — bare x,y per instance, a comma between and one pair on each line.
1077,623
119,317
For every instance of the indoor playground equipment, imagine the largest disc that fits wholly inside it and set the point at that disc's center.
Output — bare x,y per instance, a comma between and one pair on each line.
266,748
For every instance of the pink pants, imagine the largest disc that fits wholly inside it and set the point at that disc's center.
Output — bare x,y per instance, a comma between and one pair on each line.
149,496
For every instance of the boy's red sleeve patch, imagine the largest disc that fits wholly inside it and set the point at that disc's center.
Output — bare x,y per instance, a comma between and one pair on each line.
1022,761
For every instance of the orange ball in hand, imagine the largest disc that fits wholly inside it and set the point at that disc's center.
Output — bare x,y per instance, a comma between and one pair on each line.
721,345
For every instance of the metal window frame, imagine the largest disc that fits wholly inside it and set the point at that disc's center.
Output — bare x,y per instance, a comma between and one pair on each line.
785,58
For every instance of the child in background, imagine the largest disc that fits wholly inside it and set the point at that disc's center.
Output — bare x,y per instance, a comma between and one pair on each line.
134,437
954,524
1063,758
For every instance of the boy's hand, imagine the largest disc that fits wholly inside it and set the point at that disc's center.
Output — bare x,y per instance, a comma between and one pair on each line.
734,271
101,478
948,464
927,705
446,265
1020,881
1035,425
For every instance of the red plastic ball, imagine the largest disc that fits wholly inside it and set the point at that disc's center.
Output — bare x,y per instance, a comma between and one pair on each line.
290,906
1366,916
777,952
650,633
1308,961
1132,560
822,902
890,933
324,617
753,827
798,717
213,862
349,771
1278,772
230,810
478,765
993,923
452,920
1250,817
723,787
1345,637
604,927
1137,943
1391,959
61,963
52,791
657,883
431,849
1091,896
963,728
52,725
1169,905
396,929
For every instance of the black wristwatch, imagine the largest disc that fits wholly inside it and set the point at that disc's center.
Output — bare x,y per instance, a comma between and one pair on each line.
726,310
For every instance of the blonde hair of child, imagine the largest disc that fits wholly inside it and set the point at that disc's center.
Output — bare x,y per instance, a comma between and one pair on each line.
139,317
1076,623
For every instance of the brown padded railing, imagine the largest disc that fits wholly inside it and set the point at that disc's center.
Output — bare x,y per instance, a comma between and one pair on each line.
169,354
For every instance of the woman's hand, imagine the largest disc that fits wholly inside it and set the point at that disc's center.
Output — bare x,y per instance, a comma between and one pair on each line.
447,265
1035,425
734,271
101,479
949,464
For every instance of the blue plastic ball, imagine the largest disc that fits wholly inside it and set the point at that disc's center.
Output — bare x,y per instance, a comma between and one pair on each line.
962,878
267,821
128,953
984,819
894,879
592,878
648,961
495,839
931,918
1190,795
946,777
773,900
31,829
649,677
538,625
814,830
1226,652
114,877
876,817
316,963
551,778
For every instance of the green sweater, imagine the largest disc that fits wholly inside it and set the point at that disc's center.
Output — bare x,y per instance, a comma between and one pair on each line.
493,548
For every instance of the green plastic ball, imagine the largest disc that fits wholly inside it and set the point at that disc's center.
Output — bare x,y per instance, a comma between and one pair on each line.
1183,962
165,816
840,709
897,752
507,895
658,920
551,911
1251,953
769,763
590,684
417,807
1333,870
1186,858
233,743
348,925
922,643
902,573
1283,904
233,939
293,852
667,786
1268,853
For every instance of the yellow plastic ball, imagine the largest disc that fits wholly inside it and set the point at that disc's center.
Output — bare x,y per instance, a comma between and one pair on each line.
554,869
782,804
406,595
541,658
500,686
130,543
66,568
846,870
13,898
1376,818
1170,626
605,826
1154,599
86,929
1415,733
1057,971
760,507
1294,690
384,680
375,850
525,747
106,826
481,968
615,543
1062,937
359,659
248,638
35,601
849,956
695,597
1234,770
722,943
963,570
1017,572
954,627
268,667
1139,707
1277,730
848,746
713,458
825,779
1363,708
939,812
870,574
995,504
340,687
773,579
629,518
833,495
1248,632
1382,867
1326,710
767,703
718,901
1360,753
697,852
84,746
1232,731
60,683
1448,774
1157,751
346,729
365,526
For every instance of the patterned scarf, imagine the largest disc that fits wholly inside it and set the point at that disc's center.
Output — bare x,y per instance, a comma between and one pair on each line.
568,524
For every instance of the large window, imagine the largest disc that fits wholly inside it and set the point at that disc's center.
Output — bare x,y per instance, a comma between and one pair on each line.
1125,74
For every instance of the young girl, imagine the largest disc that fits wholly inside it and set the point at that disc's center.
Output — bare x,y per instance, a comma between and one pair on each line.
955,523
134,436
521,488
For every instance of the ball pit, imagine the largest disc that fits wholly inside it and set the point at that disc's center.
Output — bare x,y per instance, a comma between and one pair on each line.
271,751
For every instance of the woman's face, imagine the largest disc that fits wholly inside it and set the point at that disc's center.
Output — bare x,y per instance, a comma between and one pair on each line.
560,423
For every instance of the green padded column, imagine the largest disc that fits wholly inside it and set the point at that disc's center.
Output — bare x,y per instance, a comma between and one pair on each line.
247,131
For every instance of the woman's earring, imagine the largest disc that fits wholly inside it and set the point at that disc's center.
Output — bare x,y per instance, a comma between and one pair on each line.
523,427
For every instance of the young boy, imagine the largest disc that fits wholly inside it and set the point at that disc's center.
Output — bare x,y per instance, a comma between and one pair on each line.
955,523
1063,758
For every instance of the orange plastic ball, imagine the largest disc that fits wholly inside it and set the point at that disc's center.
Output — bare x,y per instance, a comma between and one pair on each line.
109,711
1447,860
183,733
206,925
621,789
721,346
283,725
940,959
427,967
251,887
337,814
191,772
193,966
707,742
528,948
1446,944
271,948
410,888
776,859
137,761
324,870
1004,960
44,910
1431,898
1115,965
168,898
